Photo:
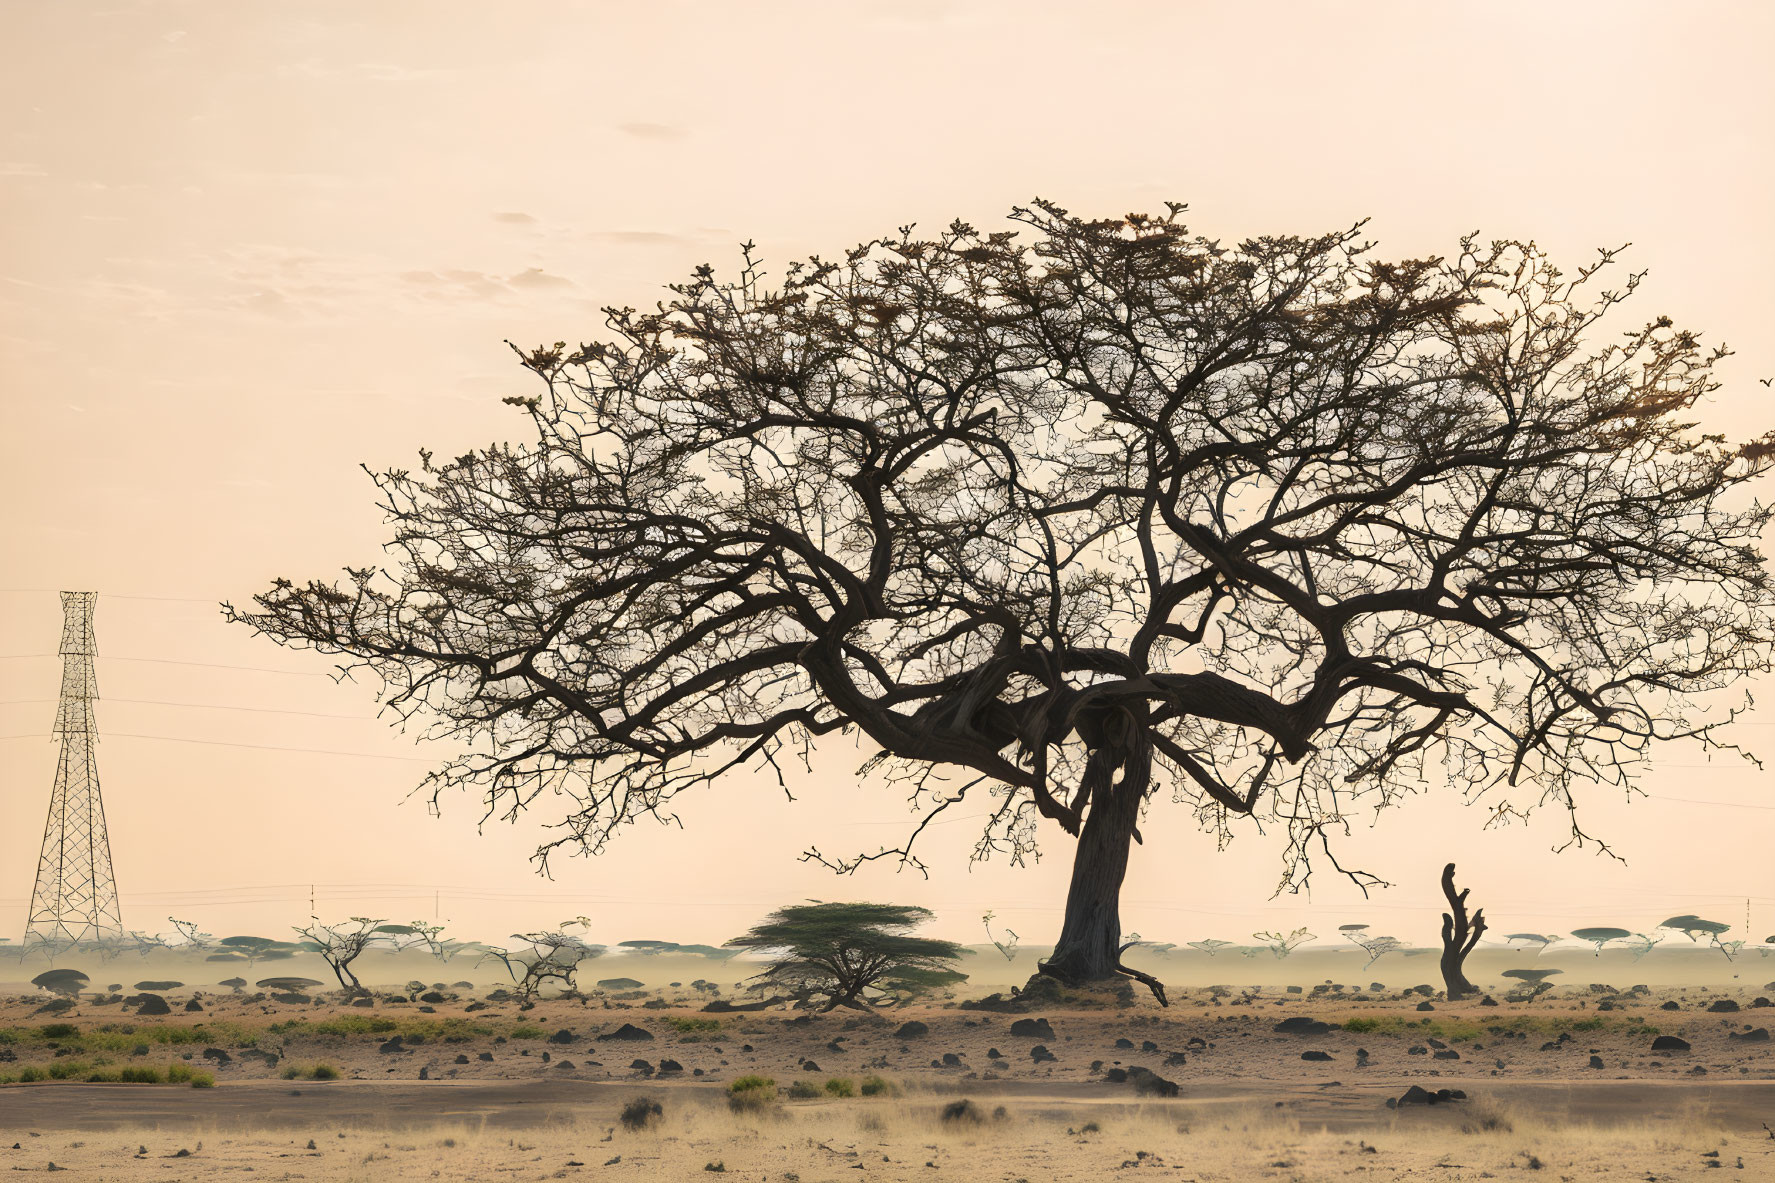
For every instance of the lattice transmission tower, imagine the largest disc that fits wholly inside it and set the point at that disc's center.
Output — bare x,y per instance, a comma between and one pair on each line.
75,899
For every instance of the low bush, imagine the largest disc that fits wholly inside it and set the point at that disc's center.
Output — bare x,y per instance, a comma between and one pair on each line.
804,1090
640,1113
875,1086
838,1086
751,1094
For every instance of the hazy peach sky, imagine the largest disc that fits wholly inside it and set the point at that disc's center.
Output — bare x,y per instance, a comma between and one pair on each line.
247,247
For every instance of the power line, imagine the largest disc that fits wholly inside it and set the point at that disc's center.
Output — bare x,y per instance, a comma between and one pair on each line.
211,665
206,706
219,743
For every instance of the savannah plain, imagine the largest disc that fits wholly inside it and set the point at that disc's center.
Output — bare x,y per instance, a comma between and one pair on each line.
475,1084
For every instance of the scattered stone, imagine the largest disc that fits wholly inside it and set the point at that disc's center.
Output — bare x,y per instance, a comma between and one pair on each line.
1722,1006
1426,1006
1447,1053
563,1036
1670,1006
218,1055
1041,1055
1033,1029
1124,1045
1316,1056
668,1066
152,1004
626,1031
912,1030
1596,1061
1301,1025
1670,1043
1757,1035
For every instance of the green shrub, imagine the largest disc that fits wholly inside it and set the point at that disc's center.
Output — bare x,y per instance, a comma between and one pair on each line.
311,1072
686,1025
67,1069
1361,1025
528,1031
145,1074
838,1086
803,1090
875,1086
60,1030
31,1074
751,1094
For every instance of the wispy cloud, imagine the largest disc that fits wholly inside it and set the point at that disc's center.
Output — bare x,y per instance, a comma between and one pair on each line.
20,168
515,218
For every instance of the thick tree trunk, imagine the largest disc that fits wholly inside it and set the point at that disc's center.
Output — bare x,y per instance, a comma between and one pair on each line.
1090,944
1089,948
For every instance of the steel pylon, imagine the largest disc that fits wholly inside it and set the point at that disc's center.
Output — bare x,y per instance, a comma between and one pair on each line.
75,898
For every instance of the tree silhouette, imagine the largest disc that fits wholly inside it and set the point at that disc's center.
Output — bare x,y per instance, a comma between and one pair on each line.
1066,516
840,950
1460,933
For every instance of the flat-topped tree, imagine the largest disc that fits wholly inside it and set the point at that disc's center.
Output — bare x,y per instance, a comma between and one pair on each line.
1601,936
837,951
1065,516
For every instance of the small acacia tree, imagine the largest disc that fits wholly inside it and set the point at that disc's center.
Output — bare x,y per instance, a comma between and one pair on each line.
839,950
1068,515
341,944
552,955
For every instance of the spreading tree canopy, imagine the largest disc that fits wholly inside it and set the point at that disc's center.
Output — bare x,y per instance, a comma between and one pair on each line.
839,950
1071,514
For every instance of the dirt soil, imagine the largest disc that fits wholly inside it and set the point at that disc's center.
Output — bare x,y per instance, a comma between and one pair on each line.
1268,1084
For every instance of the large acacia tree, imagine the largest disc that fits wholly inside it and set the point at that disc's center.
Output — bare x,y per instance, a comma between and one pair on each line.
1071,514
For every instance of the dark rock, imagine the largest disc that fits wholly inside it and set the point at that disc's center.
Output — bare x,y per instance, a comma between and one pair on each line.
912,1030
1758,1035
432,996
218,1055
1147,1045
462,1059
192,1006
666,1066
152,1004
395,1044
1417,1049
485,1057
1032,1029
1116,1076
641,1066
951,1060
1426,1006
1722,1006
1150,1083
992,1053
809,1066
1447,1053
1317,1056
1596,1061
1124,1045
1670,1006
1301,1025
1760,1003
1488,1000
1175,1060
563,1036
1670,1043
626,1031
1041,1055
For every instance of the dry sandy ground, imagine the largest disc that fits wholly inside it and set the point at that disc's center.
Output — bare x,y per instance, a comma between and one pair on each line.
500,1099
